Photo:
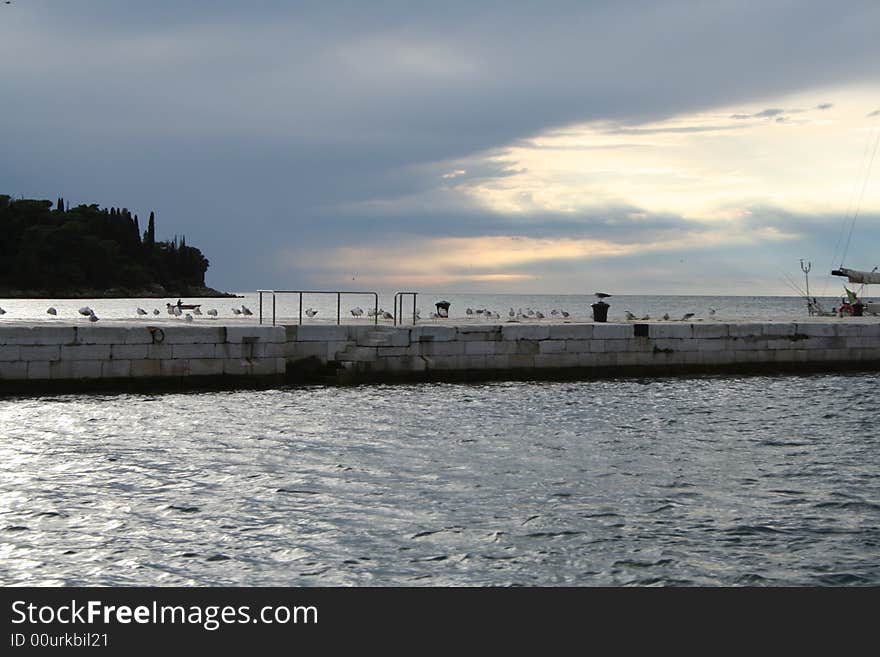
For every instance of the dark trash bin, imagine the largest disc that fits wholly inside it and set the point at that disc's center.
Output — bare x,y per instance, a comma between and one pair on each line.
858,309
600,311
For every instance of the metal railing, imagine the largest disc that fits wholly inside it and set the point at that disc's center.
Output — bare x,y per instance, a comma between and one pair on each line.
338,294
398,307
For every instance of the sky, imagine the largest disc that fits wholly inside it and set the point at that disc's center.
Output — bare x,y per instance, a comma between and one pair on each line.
662,147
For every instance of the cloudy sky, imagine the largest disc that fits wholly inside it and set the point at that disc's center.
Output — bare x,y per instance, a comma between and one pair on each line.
561,147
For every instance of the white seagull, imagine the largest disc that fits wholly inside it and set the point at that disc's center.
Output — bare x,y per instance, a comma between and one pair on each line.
387,315
2,312
213,312
86,311
141,311
155,311
311,312
245,310
189,317
93,317
357,311
196,311
237,311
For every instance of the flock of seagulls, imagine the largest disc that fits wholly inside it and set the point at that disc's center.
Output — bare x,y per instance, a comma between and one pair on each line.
518,315
172,309
631,317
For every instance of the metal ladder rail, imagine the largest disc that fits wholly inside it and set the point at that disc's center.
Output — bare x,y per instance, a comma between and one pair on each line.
338,294
398,306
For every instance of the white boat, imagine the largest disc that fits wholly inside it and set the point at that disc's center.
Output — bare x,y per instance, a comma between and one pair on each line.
862,278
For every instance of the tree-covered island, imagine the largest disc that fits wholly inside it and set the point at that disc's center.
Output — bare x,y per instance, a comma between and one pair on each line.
88,251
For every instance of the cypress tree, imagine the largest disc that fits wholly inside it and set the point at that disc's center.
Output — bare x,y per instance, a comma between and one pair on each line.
151,230
137,229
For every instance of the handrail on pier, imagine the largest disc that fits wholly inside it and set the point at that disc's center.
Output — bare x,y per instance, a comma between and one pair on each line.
338,294
398,300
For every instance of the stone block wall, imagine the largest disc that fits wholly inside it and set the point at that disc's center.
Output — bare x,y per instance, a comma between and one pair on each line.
654,348
52,353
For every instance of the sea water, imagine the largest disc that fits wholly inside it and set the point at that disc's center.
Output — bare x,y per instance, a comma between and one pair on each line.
666,481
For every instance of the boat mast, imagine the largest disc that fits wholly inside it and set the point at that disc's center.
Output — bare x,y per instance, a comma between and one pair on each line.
806,269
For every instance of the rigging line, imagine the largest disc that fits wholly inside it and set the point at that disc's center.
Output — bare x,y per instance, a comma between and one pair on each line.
790,282
849,205
861,197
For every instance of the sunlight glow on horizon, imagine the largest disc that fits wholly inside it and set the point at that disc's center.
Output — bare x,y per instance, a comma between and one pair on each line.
800,153
669,189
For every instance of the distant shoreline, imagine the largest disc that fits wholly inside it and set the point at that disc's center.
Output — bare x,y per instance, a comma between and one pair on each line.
118,293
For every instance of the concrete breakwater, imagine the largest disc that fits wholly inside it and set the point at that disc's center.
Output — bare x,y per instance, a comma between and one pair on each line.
191,355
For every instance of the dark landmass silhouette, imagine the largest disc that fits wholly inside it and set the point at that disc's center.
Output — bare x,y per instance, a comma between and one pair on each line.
89,251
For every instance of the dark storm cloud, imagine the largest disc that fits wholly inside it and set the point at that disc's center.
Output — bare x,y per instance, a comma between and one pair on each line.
253,125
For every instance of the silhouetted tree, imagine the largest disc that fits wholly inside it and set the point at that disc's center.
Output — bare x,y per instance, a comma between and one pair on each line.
151,230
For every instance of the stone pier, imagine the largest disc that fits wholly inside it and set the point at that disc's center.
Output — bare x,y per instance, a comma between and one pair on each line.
118,355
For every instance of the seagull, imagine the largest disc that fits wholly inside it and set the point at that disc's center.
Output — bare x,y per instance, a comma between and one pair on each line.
52,311
237,311
712,312
141,311
629,316
93,317
565,313
155,311
311,312
189,317
245,310
196,311
469,312
539,315
2,312
511,314
554,312
213,312
666,316
85,310
387,315
357,311
686,317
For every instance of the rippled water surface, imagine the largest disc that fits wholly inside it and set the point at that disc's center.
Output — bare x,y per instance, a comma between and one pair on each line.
700,481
